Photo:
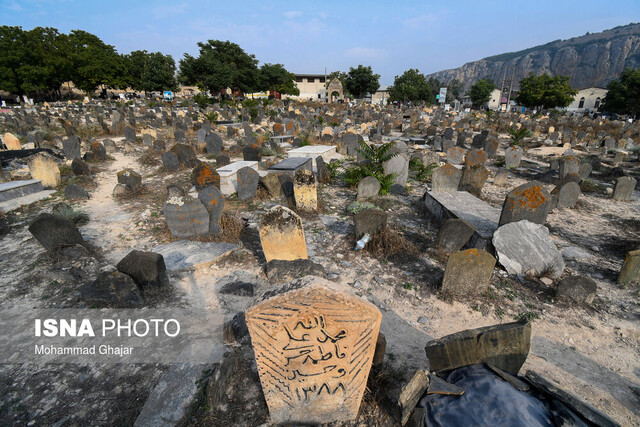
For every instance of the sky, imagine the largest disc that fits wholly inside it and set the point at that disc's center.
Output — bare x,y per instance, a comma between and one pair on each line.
307,37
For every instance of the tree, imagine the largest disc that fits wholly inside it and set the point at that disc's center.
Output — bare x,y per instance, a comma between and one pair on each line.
94,62
361,80
453,90
623,96
159,73
411,86
220,65
545,92
435,86
274,77
481,92
134,64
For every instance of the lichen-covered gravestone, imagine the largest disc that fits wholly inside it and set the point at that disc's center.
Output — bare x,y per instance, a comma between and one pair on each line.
468,272
314,346
186,216
473,179
445,179
282,235
213,201
304,190
204,175
248,180
530,201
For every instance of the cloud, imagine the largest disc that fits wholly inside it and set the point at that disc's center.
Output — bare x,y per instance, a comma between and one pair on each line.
364,53
168,11
14,6
292,14
420,21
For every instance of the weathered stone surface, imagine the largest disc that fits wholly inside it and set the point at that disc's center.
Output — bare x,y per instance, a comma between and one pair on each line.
455,155
446,178
473,179
369,221
281,271
468,272
440,386
186,216
568,164
45,168
248,180
55,232
304,190
624,188
577,288
282,235
11,141
526,247
513,156
71,147
186,154
272,184
529,202
567,195
111,290
98,150
313,345
454,234
214,143
75,192
205,175
252,152
213,201
411,394
324,175
129,134
368,187
79,167
130,179
189,255
398,165
147,269
475,157
170,161
505,346
630,272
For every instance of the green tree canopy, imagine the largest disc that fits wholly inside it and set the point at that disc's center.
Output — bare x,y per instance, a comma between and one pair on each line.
624,94
134,64
411,86
159,73
481,92
275,77
545,91
454,88
94,62
361,80
220,65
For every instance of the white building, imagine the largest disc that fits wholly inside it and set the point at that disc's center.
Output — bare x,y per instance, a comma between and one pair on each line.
587,100
312,87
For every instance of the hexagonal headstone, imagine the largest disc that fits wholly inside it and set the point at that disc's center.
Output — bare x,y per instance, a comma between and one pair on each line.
468,272
446,178
529,201
314,346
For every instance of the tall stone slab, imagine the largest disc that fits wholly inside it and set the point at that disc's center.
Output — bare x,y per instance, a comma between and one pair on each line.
446,178
186,216
304,190
282,235
530,201
213,201
314,346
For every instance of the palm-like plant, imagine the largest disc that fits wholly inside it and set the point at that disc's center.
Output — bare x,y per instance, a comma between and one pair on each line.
374,156
518,135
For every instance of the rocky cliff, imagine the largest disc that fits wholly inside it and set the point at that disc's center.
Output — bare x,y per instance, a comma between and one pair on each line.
592,60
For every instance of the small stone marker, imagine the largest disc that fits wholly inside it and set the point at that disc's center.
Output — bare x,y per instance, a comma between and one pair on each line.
454,234
45,168
214,143
11,141
314,346
455,155
130,179
129,134
630,272
398,165
252,153
369,221
71,147
475,157
568,164
213,201
624,188
567,195
368,187
170,161
512,156
55,232
248,180
473,179
304,190
468,272
577,288
204,175
282,235
147,269
445,178
186,216
529,201
324,175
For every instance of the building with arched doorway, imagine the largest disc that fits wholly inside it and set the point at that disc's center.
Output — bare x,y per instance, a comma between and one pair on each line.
587,100
335,91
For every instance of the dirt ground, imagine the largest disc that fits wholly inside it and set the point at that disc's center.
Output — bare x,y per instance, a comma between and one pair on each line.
592,351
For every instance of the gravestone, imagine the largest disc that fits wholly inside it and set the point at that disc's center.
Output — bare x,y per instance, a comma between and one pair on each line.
349,144
313,346
323,173
179,135
42,166
98,150
186,217
468,272
272,184
248,180
186,155
214,143
129,134
11,141
455,155
282,235
75,192
304,190
530,201
170,161
147,269
446,178
566,195
473,179
71,147
369,221
630,271
398,165
130,179
475,157
204,175
577,288
513,156
453,235
368,187
625,185
55,232
568,164
213,201
252,153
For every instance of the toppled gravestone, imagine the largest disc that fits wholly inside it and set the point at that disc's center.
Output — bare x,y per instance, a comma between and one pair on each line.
453,235
314,345
468,272
577,288
147,269
526,247
505,346
55,232
529,201
282,235
111,290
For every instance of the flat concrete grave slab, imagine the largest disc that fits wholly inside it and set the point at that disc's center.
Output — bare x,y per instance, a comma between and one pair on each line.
422,147
291,165
191,255
282,139
229,177
313,151
18,202
15,189
416,141
463,205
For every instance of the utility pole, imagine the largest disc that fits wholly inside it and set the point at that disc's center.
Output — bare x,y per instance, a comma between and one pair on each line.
513,74
504,76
